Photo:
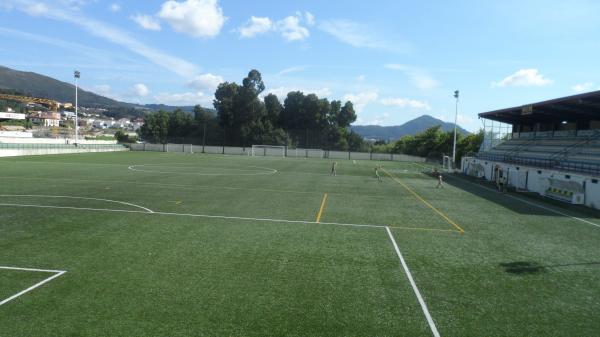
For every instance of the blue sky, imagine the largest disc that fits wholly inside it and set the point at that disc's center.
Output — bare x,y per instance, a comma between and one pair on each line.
395,60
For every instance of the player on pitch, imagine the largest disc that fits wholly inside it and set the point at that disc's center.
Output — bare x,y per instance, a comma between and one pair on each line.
377,168
334,168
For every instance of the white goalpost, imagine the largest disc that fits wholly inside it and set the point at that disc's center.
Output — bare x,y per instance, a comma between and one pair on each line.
268,150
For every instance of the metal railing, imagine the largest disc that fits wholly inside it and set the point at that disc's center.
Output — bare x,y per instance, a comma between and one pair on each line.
570,166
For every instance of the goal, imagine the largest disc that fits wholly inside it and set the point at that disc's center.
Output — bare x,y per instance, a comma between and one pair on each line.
268,150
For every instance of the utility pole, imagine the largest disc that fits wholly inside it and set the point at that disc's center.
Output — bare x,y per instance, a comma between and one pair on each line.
77,75
456,93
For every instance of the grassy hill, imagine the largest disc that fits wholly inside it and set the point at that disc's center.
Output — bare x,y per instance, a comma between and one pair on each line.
411,127
36,85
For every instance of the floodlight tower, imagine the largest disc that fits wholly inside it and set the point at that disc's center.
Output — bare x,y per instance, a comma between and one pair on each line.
456,93
77,75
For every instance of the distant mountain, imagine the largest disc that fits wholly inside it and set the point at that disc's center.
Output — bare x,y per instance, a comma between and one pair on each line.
411,127
36,85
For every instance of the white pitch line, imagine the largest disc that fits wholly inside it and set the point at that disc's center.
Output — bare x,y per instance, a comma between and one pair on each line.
193,215
532,203
432,326
261,171
57,273
32,269
83,198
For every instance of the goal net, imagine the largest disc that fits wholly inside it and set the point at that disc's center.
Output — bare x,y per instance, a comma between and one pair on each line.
268,150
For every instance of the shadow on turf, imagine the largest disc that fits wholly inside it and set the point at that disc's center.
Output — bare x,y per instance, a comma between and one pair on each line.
528,267
466,184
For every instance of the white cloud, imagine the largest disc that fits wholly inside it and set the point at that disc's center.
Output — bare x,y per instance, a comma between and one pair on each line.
76,4
141,90
380,119
185,98
361,78
206,82
360,36
119,37
256,26
115,7
281,92
103,90
198,18
35,9
99,58
291,70
583,87
146,22
419,77
309,18
406,103
291,30
524,78
462,120
362,99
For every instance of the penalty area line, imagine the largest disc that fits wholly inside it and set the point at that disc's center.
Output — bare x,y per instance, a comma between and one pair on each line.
430,321
57,273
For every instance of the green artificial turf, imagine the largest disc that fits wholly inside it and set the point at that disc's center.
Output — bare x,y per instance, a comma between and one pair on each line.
233,248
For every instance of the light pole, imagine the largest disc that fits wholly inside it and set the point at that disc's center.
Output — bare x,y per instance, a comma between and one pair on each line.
77,75
456,93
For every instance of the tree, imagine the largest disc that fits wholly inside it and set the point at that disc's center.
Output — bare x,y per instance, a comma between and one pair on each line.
156,127
273,108
180,124
347,115
202,115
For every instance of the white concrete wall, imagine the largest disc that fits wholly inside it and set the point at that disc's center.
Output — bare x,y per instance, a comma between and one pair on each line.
537,178
36,152
20,140
300,153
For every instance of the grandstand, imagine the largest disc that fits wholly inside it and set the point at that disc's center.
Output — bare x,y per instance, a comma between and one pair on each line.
552,148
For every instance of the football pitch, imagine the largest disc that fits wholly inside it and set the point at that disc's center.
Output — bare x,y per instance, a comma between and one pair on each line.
163,244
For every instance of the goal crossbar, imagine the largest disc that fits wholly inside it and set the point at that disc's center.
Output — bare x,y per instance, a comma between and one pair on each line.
268,150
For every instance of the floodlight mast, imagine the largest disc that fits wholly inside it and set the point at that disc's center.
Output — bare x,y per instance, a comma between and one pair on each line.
77,75
456,94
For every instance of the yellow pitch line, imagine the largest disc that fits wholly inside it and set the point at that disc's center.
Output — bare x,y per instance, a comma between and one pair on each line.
425,202
322,208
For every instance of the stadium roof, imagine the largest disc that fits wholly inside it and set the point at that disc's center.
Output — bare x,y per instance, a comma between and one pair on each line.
571,108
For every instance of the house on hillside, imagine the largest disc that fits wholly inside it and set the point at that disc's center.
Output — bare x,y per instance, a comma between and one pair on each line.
45,118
